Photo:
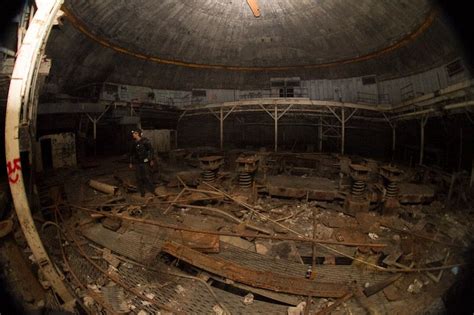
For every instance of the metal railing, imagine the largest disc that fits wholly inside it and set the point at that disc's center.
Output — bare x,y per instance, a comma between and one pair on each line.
384,99
372,98
364,97
407,92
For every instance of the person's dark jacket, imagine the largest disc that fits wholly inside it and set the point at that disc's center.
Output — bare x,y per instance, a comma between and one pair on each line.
141,151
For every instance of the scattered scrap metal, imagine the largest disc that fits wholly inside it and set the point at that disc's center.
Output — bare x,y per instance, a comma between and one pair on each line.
348,232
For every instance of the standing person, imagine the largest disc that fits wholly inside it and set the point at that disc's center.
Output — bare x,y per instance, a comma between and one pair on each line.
141,158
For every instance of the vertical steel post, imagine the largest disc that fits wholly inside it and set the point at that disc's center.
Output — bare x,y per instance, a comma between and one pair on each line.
343,130
471,182
94,124
394,135
320,134
221,121
275,118
394,139
460,149
422,137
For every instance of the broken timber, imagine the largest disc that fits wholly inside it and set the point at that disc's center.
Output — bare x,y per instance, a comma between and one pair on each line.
260,279
227,215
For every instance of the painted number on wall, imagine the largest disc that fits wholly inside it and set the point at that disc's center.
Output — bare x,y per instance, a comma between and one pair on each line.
12,168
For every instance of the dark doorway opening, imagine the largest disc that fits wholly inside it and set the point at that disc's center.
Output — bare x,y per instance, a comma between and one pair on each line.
47,154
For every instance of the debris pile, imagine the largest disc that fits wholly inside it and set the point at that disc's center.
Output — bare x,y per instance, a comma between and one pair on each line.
342,234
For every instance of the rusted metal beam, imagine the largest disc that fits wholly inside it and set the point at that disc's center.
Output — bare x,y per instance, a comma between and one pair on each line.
198,241
256,278
252,235
296,239
103,187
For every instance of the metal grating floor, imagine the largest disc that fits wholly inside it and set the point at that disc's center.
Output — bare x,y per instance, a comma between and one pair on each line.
122,244
137,246
324,273
192,297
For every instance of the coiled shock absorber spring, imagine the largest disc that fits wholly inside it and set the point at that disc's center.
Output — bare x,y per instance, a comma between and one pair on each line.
245,180
209,175
392,190
358,188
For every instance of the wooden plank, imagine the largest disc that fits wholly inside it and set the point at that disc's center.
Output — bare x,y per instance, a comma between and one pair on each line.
253,4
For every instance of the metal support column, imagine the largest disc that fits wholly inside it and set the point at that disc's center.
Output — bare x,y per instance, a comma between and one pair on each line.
471,182
393,125
460,150
221,117
394,140
343,130
275,118
221,125
94,121
423,121
320,134
94,133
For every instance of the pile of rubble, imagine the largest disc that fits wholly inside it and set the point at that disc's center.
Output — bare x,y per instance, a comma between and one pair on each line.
249,235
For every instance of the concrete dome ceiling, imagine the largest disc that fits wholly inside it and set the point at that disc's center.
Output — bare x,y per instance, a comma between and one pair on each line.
185,44
225,32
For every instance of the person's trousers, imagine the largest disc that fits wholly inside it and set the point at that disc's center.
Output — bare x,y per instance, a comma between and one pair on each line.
143,177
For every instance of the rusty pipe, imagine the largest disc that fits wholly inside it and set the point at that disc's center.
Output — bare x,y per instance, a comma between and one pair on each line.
103,187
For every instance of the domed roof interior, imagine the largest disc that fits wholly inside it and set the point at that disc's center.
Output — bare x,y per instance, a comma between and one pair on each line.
220,43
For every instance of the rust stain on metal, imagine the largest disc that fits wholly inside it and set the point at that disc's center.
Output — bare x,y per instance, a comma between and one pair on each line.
260,279
199,241
209,232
